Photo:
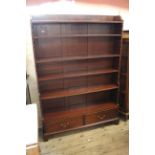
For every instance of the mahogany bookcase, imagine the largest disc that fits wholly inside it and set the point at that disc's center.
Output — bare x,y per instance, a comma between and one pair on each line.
77,61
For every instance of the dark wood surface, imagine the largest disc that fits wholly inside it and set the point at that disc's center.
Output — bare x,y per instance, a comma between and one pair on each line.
76,74
105,122
78,67
76,58
76,91
87,110
77,35
81,116
124,87
76,19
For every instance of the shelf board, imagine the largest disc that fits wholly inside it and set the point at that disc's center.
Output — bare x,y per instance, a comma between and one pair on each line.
46,60
76,91
93,108
76,74
77,35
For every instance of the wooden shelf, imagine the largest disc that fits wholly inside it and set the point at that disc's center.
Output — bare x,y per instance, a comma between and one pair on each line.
77,74
76,58
81,111
77,35
76,91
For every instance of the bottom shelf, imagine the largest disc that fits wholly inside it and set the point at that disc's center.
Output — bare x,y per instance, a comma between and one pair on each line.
57,122
80,111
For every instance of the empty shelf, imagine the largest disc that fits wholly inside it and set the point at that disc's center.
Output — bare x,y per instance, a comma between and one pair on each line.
46,60
76,91
76,74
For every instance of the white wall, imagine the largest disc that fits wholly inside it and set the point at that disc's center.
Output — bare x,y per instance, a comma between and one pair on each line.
30,67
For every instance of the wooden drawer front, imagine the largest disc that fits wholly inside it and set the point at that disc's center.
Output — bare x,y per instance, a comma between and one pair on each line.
64,124
101,116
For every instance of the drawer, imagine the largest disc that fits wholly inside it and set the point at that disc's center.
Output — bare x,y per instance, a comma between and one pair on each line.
101,116
64,124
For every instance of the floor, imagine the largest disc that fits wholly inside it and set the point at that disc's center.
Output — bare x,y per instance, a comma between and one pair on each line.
103,140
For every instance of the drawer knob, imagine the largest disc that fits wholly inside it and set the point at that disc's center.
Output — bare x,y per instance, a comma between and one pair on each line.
101,117
64,125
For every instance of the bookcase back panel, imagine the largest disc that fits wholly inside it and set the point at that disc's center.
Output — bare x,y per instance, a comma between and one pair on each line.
101,97
41,30
63,84
73,29
100,46
75,82
75,101
75,66
104,28
74,47
64,103
50,68
51,85
62,67
65,47
53,105
100,64
101,79
48,48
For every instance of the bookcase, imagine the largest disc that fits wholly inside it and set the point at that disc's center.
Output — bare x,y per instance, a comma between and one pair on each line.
77,61
124,77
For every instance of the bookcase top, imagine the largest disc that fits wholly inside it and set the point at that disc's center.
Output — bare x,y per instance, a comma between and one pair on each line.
76,19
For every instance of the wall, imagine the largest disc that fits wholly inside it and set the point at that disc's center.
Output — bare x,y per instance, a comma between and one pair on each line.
30,68
38,7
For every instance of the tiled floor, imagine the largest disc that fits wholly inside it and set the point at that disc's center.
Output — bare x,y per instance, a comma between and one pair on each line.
103,140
